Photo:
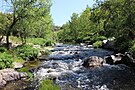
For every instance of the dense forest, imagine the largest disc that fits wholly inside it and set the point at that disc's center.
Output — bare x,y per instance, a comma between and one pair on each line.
106,19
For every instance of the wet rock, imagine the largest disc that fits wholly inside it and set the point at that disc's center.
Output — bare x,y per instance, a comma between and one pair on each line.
128,59
23,75
114,59
17,65
119,58
61,52
109,44
93,61
77,53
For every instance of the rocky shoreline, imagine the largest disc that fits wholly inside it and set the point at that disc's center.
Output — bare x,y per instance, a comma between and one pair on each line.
7,75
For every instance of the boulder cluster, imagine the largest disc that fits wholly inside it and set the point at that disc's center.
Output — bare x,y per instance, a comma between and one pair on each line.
9,74
126,59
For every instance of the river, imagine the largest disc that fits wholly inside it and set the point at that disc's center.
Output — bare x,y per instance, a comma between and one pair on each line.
65,68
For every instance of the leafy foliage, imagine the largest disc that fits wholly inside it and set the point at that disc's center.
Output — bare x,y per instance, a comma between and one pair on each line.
40,41
97,44
132,49
6,60
26,52
106,19
25,18
48,85
3,49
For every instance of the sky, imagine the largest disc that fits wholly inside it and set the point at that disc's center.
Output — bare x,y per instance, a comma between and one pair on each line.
62,10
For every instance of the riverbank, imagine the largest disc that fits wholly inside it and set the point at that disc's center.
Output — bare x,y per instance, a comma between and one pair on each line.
7,75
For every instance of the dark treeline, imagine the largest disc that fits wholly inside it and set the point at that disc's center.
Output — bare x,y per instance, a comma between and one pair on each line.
106,19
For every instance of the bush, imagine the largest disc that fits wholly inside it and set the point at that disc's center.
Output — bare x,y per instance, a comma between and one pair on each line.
6,60
98,38
15,40
3,49
49,43
123,43
40,41
132,49
36,41
97,44
26,52
101,38
48,85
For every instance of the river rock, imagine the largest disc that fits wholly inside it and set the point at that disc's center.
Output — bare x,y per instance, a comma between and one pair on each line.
93,61
17,65
109,44
114,59
119,58
9,74
128,59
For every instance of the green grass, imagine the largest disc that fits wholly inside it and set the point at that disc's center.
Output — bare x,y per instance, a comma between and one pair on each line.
15,40
48,85
18,59
97,44
25,69
6,60
36,41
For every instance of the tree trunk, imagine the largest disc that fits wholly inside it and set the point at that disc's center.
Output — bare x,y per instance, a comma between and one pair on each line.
7,40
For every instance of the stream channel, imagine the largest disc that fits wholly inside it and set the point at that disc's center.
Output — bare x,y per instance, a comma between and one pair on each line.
65,67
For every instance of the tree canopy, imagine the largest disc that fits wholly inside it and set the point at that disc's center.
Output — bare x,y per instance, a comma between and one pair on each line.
26,17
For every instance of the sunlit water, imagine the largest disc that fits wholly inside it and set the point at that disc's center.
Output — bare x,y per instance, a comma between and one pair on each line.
66,67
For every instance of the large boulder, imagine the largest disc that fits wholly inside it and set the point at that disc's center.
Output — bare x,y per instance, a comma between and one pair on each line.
126,58
93,61
114,59
109,44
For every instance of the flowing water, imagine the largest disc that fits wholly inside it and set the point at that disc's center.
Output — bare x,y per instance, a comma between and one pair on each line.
65,67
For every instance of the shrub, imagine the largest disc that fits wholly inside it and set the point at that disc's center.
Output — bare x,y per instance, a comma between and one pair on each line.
49,43
123,43
132,49
97,44
26,52
101,38
3,49
6,60
40,41
15,39
48,85
98,38
36,41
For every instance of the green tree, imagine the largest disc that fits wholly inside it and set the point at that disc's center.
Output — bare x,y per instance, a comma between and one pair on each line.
74,27
22,9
